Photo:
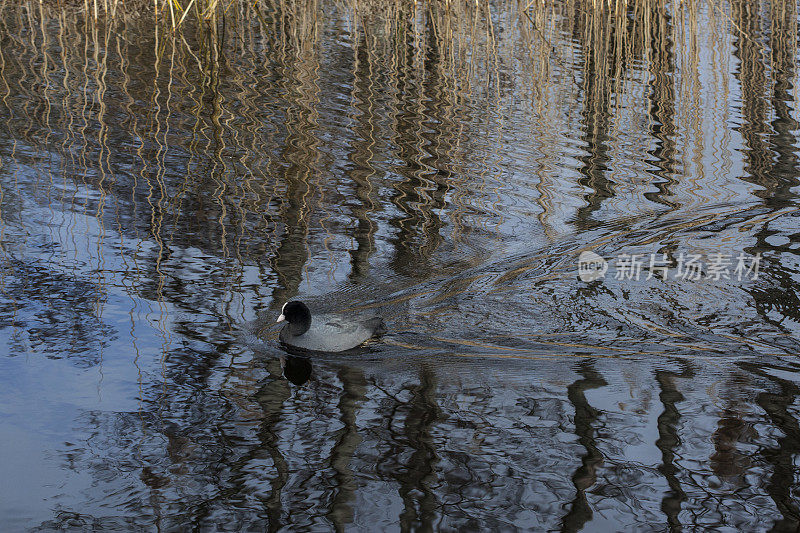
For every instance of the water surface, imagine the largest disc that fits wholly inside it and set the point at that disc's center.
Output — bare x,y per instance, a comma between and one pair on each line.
162,195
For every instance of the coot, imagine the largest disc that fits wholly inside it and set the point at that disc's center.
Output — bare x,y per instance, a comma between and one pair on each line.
327,333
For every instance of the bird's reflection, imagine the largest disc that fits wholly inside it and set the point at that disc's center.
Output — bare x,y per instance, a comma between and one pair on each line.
296,369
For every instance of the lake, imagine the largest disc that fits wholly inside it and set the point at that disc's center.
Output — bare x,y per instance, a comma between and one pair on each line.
579,220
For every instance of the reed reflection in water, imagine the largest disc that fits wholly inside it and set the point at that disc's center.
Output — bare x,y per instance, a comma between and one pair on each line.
163,193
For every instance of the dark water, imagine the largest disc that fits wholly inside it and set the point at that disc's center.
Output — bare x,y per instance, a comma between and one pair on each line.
161,196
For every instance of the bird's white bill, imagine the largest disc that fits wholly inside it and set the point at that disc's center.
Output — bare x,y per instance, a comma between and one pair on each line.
281,318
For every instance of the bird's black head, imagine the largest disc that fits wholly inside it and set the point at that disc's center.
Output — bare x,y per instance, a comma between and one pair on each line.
297,315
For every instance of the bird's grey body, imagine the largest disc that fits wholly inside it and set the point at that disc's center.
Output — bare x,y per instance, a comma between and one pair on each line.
331,333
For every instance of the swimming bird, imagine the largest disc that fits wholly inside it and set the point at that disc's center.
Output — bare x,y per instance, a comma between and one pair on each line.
328,333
